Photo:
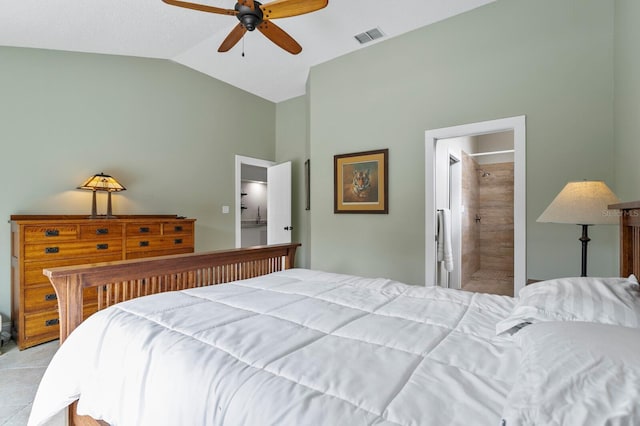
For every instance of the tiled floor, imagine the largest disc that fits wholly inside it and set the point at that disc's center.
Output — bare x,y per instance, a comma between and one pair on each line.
20,374
485,281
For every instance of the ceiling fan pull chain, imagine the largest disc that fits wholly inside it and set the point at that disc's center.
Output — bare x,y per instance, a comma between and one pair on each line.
243,46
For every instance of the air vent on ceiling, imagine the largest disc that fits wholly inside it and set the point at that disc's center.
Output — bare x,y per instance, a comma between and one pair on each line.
370,35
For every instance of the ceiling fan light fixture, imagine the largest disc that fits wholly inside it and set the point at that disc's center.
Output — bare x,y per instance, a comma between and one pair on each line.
254,15
248,17
250,22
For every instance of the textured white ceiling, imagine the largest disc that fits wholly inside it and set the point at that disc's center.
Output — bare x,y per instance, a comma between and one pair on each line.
153,29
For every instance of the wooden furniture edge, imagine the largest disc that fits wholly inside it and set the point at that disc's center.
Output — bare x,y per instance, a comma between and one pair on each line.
629,237
625,206
31,217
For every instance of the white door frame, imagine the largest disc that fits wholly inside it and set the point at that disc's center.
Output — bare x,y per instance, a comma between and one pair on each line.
455,202
518,126
240,160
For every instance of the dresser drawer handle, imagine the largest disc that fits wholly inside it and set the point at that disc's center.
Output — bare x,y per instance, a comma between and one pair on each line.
177,228
144,243
51,250
102,246
177,241
52,233
144,229
50,296
102,231
51,322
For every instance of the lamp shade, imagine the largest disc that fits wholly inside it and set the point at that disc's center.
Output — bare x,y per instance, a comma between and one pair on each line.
102,182
582,203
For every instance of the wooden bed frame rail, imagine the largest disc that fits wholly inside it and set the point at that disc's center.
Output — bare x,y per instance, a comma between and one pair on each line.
128,279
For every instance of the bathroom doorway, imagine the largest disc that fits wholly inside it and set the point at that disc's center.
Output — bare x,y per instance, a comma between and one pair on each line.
478,192
484,194
263,202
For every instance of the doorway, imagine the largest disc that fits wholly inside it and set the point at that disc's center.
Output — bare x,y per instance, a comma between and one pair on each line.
262,202
489,181
478,191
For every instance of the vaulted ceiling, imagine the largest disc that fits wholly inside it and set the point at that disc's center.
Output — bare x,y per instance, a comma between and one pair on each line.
153,29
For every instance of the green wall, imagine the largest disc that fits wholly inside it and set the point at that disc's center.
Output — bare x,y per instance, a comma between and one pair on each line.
168,133
291,145
549,60
627,99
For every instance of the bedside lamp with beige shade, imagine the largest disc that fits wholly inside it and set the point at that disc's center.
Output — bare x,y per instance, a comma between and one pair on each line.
582,203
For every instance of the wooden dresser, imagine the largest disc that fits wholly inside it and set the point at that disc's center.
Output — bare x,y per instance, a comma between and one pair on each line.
39,242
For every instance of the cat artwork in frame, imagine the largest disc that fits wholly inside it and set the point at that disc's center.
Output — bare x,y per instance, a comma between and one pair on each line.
361,182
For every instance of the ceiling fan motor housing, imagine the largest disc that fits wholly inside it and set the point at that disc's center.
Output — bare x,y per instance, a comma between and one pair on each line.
249,18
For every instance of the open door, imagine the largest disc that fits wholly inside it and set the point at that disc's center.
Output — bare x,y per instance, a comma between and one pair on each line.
279,203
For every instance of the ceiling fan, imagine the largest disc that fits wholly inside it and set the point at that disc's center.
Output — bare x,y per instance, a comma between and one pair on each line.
252,14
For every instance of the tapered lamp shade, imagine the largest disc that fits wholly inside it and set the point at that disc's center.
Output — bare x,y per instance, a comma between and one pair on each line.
582,203
102,182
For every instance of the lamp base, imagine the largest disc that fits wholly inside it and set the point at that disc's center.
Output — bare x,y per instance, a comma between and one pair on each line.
585,240
109,215
94,209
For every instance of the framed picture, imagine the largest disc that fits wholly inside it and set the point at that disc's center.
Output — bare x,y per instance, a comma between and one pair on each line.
361,182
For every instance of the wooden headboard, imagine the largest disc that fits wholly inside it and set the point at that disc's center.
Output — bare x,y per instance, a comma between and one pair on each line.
629,237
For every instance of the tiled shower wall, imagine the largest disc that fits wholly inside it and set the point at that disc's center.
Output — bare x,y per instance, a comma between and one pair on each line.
470,229
487,244
496,213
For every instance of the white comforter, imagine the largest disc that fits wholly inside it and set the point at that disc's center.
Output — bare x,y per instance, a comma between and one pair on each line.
297,347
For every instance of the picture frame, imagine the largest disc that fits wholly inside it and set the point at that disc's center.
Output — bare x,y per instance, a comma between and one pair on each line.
307,184
361,182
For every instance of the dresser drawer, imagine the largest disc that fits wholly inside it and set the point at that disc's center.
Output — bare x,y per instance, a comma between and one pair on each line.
33,270
182,228
42,323
143,229
41,298
100,231
72,249
53,233
140,244
44,298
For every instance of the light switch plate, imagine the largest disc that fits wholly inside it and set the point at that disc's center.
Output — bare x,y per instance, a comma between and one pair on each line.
225,209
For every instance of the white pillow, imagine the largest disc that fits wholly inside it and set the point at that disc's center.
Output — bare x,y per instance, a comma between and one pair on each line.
604,300
576,373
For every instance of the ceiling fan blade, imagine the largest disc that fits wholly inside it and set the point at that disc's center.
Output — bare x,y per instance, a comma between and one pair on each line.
248,3
279,37
286,8
234,37
201,7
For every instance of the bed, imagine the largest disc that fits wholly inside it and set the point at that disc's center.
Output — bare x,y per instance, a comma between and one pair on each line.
277,345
